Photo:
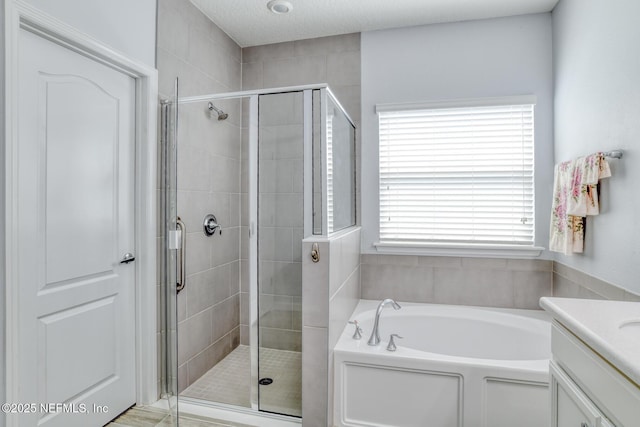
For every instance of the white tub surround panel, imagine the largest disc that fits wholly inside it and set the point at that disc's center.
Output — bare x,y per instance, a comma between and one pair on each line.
595,369
498,380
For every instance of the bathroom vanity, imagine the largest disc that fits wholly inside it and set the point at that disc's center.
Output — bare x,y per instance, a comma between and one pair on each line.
595,366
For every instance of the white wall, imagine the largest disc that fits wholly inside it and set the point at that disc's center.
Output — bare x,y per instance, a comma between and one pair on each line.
127,26
486,58
597,107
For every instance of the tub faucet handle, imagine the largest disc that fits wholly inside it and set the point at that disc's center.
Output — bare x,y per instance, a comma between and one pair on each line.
357,334
392,344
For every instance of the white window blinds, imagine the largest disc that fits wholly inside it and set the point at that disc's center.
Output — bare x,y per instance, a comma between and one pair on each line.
329,145
457,175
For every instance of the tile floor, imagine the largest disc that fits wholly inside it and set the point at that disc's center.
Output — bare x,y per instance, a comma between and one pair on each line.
229,381
152,417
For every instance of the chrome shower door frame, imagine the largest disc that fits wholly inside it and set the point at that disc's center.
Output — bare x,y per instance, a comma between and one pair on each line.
308,190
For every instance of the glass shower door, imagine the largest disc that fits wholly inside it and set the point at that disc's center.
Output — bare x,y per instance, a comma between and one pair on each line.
280,233
171,239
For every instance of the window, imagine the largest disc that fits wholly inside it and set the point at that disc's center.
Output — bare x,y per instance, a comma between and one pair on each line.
459,175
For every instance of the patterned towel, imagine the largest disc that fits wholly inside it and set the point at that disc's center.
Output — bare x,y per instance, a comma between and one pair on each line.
584,191
575,196
563,227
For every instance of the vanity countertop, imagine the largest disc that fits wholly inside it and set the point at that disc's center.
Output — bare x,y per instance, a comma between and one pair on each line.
611,328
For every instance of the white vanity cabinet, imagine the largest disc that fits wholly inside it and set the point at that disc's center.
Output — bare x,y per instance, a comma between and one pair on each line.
595,368
570,407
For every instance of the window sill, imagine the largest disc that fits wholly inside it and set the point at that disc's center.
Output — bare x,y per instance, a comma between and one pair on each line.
458,250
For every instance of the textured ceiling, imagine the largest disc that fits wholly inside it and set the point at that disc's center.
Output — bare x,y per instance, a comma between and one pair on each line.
250,23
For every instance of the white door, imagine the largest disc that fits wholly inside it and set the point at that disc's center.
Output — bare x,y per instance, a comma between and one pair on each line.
75,170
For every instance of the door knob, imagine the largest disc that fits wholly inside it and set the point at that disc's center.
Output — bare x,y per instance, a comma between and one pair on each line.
127,258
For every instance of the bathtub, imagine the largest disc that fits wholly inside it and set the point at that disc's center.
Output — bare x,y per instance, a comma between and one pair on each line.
456,366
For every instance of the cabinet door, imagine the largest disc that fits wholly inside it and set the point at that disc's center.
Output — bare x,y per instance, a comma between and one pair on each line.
570,407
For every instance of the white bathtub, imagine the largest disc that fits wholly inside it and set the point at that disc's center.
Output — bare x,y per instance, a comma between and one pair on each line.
457,366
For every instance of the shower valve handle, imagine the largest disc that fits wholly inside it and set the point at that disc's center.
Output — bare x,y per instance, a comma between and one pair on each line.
211,225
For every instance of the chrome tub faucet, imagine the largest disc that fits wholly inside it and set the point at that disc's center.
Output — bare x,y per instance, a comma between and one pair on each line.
375,333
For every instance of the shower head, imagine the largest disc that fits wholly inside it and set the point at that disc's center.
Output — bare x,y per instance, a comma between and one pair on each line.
221,114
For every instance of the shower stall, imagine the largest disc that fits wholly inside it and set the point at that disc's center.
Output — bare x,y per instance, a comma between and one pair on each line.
245,178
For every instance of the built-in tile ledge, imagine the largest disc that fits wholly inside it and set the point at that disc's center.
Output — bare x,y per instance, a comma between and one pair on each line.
571,283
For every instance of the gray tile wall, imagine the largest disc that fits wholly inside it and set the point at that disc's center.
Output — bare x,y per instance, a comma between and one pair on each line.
280,221
571,283
509,283
334,60
331,290
205,60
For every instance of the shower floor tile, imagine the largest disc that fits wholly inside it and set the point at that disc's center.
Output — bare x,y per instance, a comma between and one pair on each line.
284,395
229,381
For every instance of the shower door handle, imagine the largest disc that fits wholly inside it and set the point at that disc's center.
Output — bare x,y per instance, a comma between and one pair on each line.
182,255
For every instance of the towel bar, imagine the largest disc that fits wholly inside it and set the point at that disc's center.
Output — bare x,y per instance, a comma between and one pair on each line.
615,154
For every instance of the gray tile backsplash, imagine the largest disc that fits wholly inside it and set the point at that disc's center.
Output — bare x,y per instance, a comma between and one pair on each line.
528,287
493,282
571,283
497,282
473,286
400,282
